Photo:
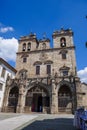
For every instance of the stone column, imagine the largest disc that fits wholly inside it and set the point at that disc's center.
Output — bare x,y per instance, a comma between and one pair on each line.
5,100
54,99
20,106
79,95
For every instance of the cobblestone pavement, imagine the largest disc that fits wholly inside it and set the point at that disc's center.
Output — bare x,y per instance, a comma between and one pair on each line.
51,122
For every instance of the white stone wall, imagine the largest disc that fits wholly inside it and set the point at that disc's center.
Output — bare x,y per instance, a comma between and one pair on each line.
3,81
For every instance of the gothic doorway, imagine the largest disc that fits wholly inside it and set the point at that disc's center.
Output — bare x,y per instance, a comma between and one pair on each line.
13,99
37,100
64,99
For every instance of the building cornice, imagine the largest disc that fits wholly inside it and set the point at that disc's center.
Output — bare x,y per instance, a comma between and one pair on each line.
7,65
46,50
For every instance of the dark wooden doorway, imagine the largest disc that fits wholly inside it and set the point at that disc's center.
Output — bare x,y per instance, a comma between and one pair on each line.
37,102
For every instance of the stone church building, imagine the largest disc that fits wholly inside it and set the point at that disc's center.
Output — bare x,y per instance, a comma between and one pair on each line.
46,79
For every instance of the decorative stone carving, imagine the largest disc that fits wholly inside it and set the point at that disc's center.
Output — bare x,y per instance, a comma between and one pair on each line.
43,56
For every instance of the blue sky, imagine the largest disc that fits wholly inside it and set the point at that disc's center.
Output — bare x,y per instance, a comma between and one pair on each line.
45,16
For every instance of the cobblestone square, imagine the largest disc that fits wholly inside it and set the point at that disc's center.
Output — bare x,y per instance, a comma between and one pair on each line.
35,121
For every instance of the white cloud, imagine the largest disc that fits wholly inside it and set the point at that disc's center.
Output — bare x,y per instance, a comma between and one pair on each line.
6,29
83,75
8,48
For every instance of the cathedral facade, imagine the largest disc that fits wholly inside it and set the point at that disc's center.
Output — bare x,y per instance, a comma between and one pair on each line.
46,79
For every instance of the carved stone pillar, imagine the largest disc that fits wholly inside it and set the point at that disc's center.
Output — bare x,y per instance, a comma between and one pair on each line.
5,100
20,106
54,99
79,95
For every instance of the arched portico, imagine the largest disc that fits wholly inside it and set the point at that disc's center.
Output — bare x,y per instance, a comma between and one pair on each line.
37,99
13,99
65,97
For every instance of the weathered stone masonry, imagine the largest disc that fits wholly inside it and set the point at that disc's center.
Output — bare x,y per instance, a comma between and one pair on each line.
46,79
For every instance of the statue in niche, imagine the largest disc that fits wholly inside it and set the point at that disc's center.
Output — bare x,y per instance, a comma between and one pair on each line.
23,74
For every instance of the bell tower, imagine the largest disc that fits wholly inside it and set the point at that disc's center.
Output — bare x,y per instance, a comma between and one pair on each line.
63,42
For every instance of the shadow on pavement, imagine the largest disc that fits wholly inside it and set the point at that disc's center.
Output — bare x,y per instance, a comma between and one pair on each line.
51,124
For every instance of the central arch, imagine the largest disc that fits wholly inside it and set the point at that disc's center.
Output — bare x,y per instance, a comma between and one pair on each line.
64,99
37,99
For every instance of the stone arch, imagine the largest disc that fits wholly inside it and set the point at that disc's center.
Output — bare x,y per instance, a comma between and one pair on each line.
37,98
29,46
64,82
13,98
24,47
39,84
65,94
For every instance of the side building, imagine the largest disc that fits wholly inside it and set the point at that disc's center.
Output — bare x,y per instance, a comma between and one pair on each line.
6,71
46,79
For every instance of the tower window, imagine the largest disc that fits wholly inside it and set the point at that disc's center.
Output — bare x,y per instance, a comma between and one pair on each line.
48,69
63,55
29,46
24,47
62,42
24,59
37,70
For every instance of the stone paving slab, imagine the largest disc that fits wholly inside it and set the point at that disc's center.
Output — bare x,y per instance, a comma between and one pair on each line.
50,122
36,121
15,122
8,115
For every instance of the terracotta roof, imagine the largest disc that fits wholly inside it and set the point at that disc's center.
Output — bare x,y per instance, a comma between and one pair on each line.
8,65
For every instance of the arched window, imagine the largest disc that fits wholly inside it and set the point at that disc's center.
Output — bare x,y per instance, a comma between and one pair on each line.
63,42
29,46
24,47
